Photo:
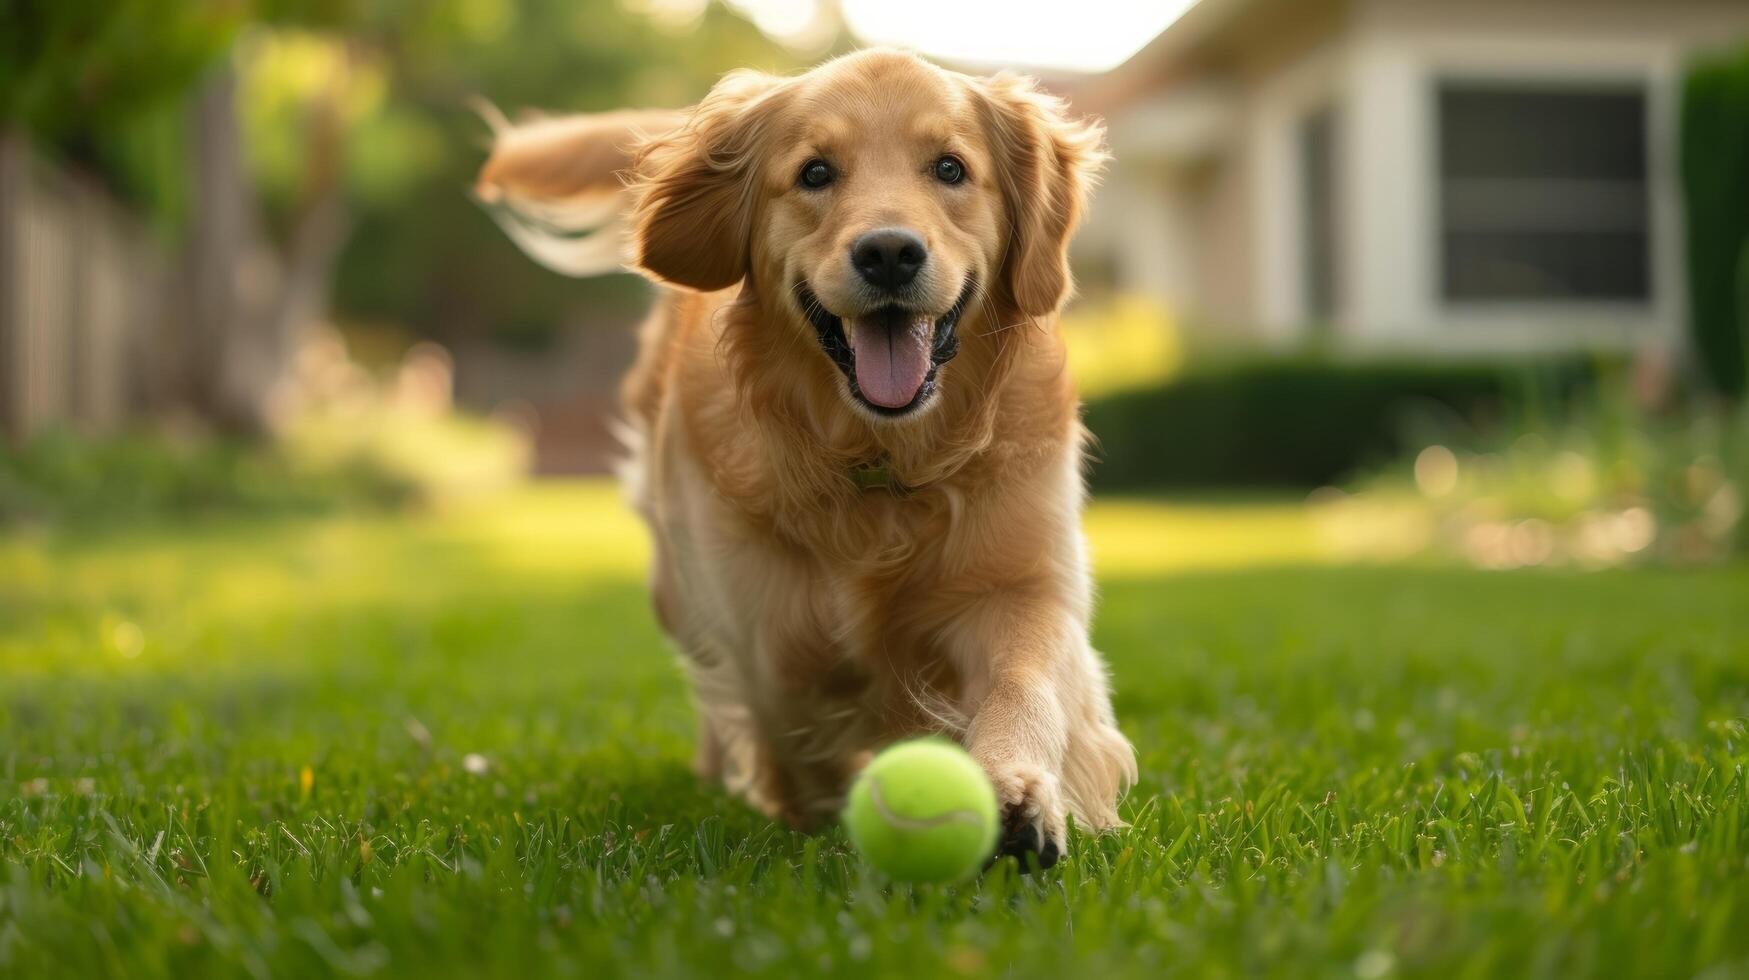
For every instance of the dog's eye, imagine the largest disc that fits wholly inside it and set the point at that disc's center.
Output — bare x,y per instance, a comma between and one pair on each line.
949,170
815,174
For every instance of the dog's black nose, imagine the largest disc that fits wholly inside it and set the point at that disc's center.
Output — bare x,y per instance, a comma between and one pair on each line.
888,257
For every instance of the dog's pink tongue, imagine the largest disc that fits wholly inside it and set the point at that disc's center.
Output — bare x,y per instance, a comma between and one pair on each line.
892,358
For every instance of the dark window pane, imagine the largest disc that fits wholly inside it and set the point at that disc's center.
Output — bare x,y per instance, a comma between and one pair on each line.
1499,132
1592,206
1543,193
1529,265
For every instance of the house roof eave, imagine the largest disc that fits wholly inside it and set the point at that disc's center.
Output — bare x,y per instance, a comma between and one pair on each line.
1169,57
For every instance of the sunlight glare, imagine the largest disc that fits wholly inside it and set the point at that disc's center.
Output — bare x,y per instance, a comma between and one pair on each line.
1088,36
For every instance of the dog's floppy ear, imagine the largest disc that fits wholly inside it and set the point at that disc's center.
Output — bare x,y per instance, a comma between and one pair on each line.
697,186
1047,163
559,158
556,185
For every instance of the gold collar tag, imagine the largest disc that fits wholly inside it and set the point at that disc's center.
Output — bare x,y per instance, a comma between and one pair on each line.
875,475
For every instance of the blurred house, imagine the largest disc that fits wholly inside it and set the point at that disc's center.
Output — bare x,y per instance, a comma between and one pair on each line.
1422,175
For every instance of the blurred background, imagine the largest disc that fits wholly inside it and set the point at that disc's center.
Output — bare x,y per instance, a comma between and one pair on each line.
1458,280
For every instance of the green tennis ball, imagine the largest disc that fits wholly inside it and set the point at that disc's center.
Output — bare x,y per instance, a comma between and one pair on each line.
923,811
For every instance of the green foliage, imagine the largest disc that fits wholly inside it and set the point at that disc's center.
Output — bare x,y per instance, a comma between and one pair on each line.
1715,160
456,745
422,253
61,479
1607,483
105,84
102,83
1295,422
73,69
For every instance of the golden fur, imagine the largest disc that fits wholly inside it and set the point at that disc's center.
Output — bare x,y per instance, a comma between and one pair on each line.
820,620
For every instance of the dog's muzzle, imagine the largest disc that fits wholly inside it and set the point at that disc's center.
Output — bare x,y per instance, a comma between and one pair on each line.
890,356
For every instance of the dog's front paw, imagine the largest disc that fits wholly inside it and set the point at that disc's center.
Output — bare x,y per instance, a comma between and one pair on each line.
1029,801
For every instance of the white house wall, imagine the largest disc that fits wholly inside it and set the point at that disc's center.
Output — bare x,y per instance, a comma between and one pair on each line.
1153,251
1215,228
1279,103
1165,220
1400,49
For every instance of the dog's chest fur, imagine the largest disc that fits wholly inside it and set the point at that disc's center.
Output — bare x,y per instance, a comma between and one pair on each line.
801,591
833,597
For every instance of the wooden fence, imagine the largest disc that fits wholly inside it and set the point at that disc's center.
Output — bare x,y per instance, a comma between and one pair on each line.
83,287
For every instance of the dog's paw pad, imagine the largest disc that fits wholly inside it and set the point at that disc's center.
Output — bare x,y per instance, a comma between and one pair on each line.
1033,825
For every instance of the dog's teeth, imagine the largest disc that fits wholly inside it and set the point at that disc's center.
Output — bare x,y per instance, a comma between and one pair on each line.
849,330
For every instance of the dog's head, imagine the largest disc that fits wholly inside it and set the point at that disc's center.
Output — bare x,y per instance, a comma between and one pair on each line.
879,204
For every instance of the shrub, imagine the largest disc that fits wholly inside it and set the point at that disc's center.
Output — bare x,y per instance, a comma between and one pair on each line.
343,439
63,478
331,415
1609,485
1715,184
1297,423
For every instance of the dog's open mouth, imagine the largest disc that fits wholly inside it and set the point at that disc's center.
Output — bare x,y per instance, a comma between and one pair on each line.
891,355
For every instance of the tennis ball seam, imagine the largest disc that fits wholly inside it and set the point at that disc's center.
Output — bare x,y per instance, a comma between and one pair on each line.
902,822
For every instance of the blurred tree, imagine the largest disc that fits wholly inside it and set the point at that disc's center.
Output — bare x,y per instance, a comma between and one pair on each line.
101,82
423,255
307,152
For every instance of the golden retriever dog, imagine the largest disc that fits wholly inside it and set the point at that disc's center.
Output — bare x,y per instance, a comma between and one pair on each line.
854,437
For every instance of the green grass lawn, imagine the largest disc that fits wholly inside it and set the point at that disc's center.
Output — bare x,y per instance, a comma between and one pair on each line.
455,744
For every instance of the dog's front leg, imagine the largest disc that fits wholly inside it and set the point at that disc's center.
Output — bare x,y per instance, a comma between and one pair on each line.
1018,656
